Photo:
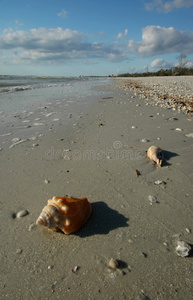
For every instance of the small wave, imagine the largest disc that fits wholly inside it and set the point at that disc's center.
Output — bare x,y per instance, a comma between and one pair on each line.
11,89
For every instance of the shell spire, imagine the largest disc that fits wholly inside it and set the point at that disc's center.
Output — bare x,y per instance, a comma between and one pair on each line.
155,154
65,213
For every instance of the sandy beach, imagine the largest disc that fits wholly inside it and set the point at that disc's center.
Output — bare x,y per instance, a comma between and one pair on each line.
97,156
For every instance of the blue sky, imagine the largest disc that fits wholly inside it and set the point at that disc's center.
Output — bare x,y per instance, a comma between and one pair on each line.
85,37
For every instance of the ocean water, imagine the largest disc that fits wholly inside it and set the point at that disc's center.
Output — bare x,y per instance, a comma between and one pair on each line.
39,104
18,93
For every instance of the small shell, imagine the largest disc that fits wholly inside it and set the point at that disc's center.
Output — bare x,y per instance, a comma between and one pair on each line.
183,249
75,269
65,213
22,213
158,182
145,140
155,154
152,199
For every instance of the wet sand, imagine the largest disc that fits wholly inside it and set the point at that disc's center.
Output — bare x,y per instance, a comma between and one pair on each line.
97,156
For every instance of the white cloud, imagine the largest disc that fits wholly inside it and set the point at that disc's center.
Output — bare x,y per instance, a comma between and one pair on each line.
160,63
53,45
58,45
189,64
62,14
157,63
162,6
158,40
122,35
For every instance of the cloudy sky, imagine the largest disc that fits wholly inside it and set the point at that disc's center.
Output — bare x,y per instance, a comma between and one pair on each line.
86,37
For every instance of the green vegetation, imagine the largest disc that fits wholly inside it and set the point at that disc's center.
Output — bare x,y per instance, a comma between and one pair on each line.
177,71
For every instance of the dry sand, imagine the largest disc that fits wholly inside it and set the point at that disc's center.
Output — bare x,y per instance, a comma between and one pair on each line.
97,157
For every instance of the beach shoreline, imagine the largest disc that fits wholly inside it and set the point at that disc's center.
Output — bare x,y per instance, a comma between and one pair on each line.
97,156
167,92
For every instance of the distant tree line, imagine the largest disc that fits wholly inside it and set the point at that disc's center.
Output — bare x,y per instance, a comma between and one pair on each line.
176,71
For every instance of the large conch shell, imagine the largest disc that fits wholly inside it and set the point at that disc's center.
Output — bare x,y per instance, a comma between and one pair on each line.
65,213
155,154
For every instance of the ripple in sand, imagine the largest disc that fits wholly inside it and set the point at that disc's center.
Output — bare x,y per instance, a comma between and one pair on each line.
190,135
6,134
49,114
38,124
17,143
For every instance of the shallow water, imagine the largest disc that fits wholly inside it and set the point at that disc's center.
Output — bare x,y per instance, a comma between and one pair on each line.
33,104
27,93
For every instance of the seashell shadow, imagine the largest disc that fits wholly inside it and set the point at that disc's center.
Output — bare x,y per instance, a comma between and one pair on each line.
167,156
103,219
191,251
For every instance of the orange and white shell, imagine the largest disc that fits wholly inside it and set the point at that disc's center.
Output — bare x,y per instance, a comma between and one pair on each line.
65,213
155,154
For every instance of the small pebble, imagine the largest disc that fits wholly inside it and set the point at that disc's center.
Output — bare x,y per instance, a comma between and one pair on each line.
31,227
178,129
144,254
173,119
112,275
47,181
50,267
22,213
54,284
19,251
188,230
66,157
133,127
113,263
177,235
